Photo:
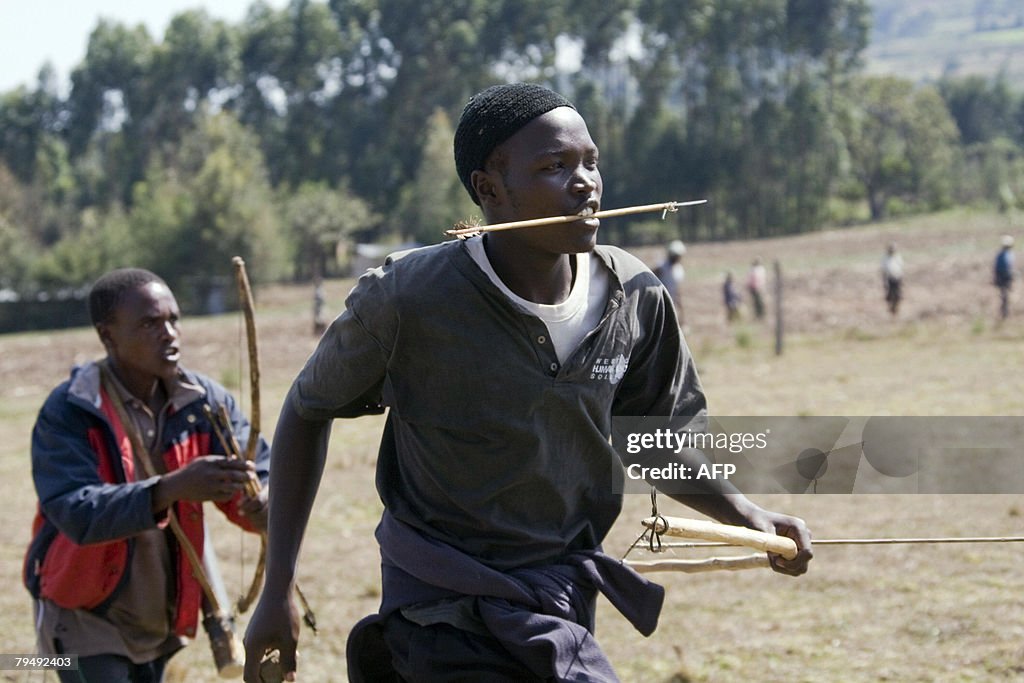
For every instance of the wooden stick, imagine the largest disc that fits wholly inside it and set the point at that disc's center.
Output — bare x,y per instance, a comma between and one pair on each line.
875,541
245,299
555,220
780,328
712,531
252,486
140,451
221,422
716,535
696,566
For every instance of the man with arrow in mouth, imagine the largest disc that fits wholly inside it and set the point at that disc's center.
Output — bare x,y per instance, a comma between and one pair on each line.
501,360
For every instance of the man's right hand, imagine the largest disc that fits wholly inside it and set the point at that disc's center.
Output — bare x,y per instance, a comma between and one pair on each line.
209,477
274,627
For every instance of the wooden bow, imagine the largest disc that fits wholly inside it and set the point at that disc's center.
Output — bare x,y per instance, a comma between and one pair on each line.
249,312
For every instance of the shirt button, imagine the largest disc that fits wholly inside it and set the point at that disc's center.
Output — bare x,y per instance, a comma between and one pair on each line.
150,433
541,339
553,367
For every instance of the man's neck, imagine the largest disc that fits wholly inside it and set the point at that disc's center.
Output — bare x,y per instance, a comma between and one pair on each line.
535,276
149,390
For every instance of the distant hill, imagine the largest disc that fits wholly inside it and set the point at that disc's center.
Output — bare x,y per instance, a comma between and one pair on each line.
926,39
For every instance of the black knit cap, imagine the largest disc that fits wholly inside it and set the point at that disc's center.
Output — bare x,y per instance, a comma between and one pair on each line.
493,116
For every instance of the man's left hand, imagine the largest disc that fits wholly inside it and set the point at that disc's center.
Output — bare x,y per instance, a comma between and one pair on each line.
255,509
791,527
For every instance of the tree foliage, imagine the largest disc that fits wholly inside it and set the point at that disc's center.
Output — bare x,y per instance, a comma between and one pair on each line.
318,217
900,143
209,201
435,199
334,118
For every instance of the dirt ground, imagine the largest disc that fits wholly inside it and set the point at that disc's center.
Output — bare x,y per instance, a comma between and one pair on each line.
897,613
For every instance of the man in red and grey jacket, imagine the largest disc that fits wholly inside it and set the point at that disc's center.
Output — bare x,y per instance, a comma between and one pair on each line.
111,583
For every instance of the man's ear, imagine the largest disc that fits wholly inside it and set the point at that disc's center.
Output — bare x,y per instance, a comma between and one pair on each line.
488,188
104,333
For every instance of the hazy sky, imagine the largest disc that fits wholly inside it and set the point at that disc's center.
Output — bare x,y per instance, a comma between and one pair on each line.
35,31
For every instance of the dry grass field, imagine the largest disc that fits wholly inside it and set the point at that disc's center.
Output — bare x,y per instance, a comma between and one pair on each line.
876,613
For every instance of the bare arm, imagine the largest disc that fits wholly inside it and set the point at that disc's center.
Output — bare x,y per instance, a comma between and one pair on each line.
297,462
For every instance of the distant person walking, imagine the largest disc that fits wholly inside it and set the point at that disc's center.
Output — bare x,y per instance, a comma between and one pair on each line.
319,323
1002,275
671,273
757,281
892,277
731,298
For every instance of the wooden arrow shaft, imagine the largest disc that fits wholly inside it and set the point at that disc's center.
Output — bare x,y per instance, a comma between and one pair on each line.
714,535
874,541
555,220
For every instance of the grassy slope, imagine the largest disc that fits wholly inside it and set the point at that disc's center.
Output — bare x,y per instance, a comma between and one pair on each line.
947,42
902,614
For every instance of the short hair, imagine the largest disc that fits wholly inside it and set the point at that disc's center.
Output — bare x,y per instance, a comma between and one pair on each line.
493,116
110,289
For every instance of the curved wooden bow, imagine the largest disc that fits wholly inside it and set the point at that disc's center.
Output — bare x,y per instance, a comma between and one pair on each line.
249,312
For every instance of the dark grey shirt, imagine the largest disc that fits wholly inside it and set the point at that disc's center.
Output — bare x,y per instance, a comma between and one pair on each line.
490,444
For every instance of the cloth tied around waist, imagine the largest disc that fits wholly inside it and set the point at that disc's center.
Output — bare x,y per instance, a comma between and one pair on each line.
543,615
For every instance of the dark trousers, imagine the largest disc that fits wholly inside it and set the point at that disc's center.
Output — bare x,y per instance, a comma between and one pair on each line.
115,669
396,650
893,293
1004,301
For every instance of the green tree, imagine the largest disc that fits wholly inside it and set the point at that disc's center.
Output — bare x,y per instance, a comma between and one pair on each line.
110,89
900,142
317,218
18,248
108,106
104,242
991,173
435,199
983,110
32,149
131,96
729,70
291,68
196,61
209,201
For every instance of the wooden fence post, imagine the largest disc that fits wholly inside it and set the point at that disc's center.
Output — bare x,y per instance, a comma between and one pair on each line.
779,329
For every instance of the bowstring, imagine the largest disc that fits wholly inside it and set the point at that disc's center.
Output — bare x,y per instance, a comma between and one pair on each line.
243,408
651,535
